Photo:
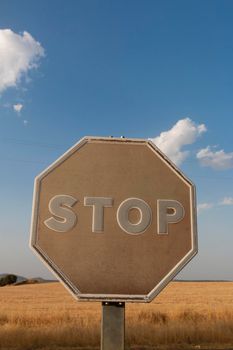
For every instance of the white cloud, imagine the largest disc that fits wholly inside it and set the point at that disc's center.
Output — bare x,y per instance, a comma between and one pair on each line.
17,107
227,201
218,160
204,206
25,122
19,53
171,142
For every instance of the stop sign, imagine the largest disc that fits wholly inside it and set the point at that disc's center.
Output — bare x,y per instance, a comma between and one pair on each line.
114,219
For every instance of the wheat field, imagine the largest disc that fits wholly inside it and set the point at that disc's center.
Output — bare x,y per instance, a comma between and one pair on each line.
186,315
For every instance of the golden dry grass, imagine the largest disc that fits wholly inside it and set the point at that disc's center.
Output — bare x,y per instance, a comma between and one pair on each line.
185,315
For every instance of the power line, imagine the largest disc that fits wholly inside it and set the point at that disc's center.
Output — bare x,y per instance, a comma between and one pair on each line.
62,146
23,161
33,143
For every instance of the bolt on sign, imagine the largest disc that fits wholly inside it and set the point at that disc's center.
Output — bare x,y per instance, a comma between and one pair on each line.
114,219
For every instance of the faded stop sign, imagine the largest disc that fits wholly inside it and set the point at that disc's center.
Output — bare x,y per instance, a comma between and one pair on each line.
114,219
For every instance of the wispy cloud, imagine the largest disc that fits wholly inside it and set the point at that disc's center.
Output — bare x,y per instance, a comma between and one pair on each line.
218,160
19,54
171,142
204,206
25,122
227,201
18,107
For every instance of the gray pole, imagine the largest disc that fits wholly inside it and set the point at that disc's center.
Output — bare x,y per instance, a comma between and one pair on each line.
113,326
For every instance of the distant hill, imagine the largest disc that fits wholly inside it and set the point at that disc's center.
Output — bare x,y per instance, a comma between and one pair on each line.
19,278
23,280
33,280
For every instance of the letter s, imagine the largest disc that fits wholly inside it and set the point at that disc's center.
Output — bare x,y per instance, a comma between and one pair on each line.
59,206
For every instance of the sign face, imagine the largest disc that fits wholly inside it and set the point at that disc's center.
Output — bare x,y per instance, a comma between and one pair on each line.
114,219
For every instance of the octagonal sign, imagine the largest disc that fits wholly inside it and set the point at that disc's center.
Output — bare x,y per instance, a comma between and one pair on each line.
114,219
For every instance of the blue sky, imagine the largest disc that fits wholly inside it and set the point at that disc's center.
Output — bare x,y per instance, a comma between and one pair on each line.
132,68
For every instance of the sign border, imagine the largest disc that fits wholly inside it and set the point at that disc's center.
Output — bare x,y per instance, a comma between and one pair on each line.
112,297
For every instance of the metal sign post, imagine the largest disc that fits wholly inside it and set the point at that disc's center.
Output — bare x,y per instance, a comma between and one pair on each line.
113,326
